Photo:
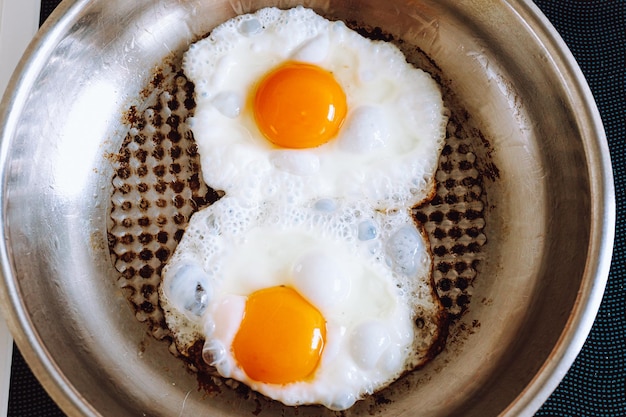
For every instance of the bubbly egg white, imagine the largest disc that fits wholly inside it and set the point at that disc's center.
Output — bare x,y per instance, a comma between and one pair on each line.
387,149
332,222
365,271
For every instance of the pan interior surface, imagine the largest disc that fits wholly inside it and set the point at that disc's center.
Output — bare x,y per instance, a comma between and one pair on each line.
548,212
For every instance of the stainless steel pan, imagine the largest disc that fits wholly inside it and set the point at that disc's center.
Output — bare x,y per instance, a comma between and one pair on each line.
550,215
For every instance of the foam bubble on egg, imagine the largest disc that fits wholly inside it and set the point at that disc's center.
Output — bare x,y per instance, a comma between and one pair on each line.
385,151
322,278
366,130
346,259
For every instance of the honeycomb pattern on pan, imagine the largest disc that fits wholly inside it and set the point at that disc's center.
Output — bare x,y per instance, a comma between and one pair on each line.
454,220
157,186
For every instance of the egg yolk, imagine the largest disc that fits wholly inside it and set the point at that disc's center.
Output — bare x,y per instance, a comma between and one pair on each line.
280,338
299,105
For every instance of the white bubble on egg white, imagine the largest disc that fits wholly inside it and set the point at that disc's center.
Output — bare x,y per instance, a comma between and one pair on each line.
322,279
391,359
228,103
335,333
220,333
314,50
300,163
405,249
342,401
368,343
327,205
212,225
367,230
250,27
365,130
190,287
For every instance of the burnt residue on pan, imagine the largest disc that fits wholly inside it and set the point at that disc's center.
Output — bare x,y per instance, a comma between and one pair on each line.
157,186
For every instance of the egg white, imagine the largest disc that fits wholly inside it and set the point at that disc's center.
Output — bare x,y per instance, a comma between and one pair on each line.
387,149
332,222
367,272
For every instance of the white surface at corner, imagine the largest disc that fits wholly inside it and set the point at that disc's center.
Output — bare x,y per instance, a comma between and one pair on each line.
19,20
6,353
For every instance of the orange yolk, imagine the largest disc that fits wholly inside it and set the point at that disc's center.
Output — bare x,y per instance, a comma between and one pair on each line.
281,337
299,105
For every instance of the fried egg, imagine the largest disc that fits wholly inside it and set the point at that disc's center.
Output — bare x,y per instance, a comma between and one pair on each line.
305,304
307,280
291,105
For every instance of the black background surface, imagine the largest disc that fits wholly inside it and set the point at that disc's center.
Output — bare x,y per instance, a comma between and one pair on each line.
595,32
